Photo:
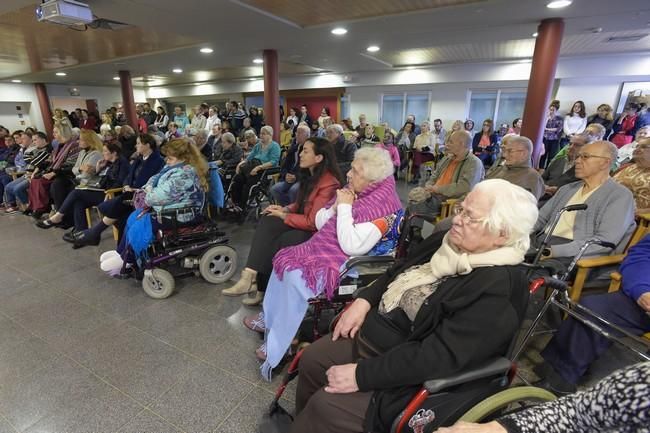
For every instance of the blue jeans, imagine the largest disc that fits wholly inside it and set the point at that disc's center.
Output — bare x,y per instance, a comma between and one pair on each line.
5,179
285,193
16,189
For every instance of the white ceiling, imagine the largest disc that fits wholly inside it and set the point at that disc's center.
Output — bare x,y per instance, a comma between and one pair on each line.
486,31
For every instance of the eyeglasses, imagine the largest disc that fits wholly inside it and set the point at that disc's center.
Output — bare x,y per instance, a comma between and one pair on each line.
459,210
588,156
508,150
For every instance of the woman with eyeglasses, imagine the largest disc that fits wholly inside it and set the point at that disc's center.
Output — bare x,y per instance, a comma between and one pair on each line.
437,314
636,176
484,144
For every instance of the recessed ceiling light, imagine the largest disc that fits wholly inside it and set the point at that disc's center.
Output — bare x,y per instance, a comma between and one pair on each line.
16,81
258,61
177,71
206,50
252,79
339,31
557,4
372,49
61,74
535,34
116,78
410,67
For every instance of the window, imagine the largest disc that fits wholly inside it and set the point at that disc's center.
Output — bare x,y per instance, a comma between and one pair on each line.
396,106
502,106
345,107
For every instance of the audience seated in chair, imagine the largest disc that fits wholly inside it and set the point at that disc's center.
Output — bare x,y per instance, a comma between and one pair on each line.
180,185
575,346
454,177
485,144
636,176
110,173
286,190
609,216
284,226
362,218
561,171
35,155
230,154
344,149
430,317
625,152
265,154
516,167
424,149
115,211
56,180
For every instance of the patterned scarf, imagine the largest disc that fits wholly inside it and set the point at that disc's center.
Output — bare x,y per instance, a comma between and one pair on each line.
64,152
321,257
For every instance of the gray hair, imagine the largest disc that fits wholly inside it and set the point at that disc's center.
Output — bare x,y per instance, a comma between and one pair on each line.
426,122
375,162
229,137
249,133
513,212
609,148
599,132
335,127
524,141
304,128
465,137
268,129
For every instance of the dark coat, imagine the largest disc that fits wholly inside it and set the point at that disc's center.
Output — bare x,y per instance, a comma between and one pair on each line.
468,320
344,153
553,175
142,170
488,154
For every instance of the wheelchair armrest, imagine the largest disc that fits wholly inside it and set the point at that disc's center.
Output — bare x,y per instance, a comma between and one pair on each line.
493,368
368,260
595,262
271,171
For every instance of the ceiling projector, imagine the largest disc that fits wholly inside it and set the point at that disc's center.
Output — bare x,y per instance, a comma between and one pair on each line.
66,12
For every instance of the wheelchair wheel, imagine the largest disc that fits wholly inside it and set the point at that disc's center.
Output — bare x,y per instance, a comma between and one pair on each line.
218,264
507,401
158,283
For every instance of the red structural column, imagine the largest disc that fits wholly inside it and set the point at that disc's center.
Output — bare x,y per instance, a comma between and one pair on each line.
128,102
46,110
272,92
540,84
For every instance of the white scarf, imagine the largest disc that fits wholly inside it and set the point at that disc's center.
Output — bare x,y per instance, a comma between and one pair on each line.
447,261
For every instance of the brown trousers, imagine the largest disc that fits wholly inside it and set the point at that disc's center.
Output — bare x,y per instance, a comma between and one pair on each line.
321,412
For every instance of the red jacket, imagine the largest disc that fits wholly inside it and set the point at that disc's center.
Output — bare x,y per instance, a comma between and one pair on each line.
87,124
323,191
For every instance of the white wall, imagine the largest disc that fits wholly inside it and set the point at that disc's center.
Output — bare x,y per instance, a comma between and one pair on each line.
105,96
17,94
14,119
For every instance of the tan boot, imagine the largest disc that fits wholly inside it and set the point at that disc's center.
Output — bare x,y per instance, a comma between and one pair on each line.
246,284
254,300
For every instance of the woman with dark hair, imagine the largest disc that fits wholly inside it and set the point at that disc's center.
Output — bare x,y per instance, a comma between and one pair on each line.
256,119
404,142
324,114
624,125
552,133
576,121
516,127
127,138
603,116
147,163
484,144
469,126
162,120
319,179
111,172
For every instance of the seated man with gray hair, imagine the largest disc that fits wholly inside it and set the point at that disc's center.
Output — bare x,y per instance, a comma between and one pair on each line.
517,168
562,171
609,216
344,149
455,176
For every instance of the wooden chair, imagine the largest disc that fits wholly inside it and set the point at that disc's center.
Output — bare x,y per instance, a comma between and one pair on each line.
446,209
585,266
615,286
108,195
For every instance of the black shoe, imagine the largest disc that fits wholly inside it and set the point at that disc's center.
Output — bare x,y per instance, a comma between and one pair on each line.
27,212
72,235
37,214
558,389
46,224
83,240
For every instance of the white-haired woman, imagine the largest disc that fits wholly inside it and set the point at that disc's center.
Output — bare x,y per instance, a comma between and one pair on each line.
362,218
442,311
265,154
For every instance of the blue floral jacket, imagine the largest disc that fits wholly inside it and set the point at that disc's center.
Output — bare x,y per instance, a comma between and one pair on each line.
176,186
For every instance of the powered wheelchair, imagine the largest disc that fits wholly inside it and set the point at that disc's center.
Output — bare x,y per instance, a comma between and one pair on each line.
185,242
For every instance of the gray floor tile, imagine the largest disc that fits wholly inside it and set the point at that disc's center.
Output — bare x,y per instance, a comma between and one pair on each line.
5,427
203,400
22,298
12,277
59,388
183,326
247,416
20,352
148,422
136,363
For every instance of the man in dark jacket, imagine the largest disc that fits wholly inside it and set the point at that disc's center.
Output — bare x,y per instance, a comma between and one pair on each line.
286,191
562,171
344,149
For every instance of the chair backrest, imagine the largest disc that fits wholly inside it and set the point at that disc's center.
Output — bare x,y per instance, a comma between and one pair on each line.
641,230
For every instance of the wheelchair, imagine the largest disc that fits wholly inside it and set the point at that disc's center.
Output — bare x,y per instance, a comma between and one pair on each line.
259,195
180,249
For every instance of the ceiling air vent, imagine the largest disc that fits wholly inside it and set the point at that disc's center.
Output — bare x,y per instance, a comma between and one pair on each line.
631,38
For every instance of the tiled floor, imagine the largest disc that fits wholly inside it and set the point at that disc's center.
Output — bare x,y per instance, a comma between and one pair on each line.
80,352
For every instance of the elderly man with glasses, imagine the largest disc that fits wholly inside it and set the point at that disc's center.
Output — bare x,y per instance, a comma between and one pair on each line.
517,169
609,216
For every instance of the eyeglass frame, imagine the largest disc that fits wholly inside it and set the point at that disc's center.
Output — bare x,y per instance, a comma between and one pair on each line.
588,156
458,210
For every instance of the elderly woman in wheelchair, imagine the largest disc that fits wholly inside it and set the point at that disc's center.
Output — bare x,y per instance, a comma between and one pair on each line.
424,319
361,218
179,187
